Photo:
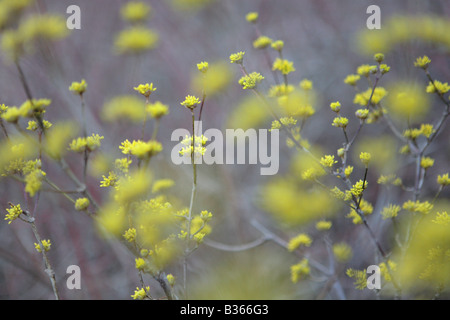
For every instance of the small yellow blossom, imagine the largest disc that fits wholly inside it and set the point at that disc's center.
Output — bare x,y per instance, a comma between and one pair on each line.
363,98
145,89
252,17
190,102
136,40
300,240
418,206
78,87
362,113
162,184
140,294
82,204
300,270
390,211
443,179
203,66
442,218
280,90
135,11
335,106
90,143
283,65
352,79
126,146
438,87
422,62
358,188
130,236
140,263
323,225
306,84
251,80
145,150
237,57
122,164
342,252
262,42
109,181
365,158
12,114
327,161
359,276
170,279
13,213
348,171
386,269
426,162
340,122
378,57
33,126
365,70
33,181
426,129
277,45
157,109
46,244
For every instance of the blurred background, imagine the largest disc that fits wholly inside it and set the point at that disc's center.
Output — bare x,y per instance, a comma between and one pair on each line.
322,38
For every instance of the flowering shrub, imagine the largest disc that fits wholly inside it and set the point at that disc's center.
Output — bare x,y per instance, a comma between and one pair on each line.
367,188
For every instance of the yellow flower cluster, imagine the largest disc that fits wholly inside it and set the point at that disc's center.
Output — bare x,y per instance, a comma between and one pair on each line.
340,122
262,42
82,204
418,206
135,11
363,98
426,162
190,102
300,240
45,244
29,108
422,62
352,79
342,252
199,148
365,158
140,293
323,225
251,80
145,89
283,65
78,87
443,180
237,57
300,270
124,107
359,276
136,40
203,66
442,218
130,236
252,17
162,184
390,211
437,86
89,143
13,213
327,161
